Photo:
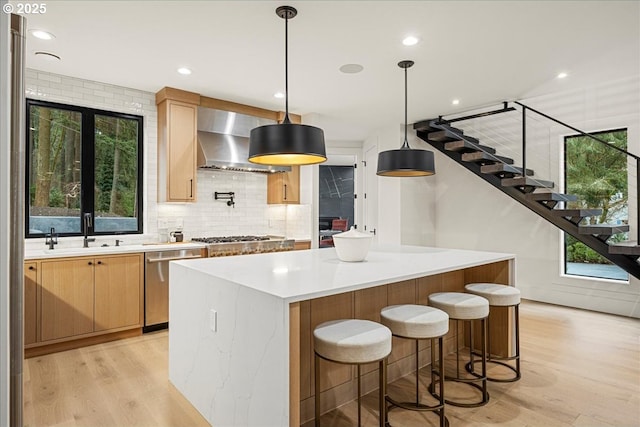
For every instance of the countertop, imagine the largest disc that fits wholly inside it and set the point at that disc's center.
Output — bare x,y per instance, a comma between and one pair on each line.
301,275
35,254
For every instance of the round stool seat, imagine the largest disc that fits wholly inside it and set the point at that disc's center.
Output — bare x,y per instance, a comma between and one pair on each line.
352,341
459,305
415,321
497,295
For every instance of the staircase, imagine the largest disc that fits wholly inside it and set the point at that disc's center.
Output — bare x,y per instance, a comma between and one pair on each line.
537,195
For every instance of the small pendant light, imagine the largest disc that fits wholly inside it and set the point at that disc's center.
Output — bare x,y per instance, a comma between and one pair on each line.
286,143
405,161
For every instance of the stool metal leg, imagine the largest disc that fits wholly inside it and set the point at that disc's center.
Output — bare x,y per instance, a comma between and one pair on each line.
417,375
359,399
417,405
443,419
502,360
477,381
382,393
485,394
316,377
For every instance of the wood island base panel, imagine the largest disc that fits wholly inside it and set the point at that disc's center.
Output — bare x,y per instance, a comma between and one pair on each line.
240,343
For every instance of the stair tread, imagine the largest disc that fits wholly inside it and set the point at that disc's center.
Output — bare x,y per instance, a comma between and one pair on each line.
480,156
465,145
603,229
576,212
555,197
518,181
497,168
630,247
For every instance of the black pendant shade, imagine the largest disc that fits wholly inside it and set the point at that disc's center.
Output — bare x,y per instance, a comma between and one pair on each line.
405,161
286,143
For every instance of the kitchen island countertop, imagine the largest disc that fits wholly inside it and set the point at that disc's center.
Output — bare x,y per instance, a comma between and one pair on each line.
302,275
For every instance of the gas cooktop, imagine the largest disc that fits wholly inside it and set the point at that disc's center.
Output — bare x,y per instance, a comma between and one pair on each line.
229,239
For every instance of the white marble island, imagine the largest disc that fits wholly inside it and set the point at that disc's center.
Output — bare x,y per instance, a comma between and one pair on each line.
240,336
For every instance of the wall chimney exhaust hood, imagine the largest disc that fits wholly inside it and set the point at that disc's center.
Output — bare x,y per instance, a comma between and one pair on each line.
223,141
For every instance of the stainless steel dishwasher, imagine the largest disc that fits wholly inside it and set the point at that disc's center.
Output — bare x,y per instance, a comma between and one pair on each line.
156,285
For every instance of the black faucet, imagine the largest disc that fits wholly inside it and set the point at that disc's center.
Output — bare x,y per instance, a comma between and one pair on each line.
86,223
51,238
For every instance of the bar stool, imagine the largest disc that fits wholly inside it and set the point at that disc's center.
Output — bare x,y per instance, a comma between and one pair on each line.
354,342
466,307
500,296
419,322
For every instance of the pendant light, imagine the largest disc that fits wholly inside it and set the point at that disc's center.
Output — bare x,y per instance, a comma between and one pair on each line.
286,143
405,161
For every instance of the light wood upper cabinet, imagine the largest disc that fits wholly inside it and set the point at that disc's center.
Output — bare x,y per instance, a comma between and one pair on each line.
118,301
284,187
67,296
177,145
30,301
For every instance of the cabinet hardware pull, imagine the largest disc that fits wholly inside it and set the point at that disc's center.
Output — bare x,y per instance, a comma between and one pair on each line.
191,187
90,263
99,262
31,267
285,191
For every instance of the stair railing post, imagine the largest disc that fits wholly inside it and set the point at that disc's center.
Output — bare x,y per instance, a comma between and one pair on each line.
524,141
637,199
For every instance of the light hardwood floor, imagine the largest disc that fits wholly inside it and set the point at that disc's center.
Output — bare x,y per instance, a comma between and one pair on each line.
579,368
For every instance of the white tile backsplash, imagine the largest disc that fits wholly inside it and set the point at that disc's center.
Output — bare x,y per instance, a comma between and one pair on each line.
206,217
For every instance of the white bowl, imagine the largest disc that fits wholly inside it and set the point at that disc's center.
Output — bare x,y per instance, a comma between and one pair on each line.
352,245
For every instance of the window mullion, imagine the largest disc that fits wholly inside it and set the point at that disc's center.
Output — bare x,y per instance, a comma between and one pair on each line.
88,167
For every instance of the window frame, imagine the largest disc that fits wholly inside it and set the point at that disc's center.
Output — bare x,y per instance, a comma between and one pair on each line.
564,181
87,165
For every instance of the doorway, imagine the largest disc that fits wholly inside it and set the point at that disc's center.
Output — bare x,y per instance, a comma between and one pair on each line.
337,193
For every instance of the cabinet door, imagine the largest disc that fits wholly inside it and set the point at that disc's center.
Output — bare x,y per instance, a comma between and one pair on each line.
66,298
117,285
284,188
30,291
182,151
291,185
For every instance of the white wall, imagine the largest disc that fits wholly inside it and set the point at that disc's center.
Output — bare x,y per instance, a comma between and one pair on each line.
472,214
206,217
5,108
405,205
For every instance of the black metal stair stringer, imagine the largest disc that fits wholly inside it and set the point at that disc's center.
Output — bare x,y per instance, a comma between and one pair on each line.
625,262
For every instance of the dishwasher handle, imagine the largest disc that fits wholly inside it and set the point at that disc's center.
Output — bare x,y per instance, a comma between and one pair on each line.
153,260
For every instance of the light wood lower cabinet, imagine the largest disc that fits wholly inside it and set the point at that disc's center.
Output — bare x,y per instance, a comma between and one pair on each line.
66,298
117,292
299,245
30,301
83,297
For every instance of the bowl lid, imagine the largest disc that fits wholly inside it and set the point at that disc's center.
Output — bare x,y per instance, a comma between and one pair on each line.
353,234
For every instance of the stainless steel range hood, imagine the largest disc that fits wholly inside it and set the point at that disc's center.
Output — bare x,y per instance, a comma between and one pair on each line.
223,141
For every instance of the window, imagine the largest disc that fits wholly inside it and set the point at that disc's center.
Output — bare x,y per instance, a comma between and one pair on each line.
82,161
598,175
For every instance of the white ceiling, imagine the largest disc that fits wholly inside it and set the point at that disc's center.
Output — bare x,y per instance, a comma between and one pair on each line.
477,51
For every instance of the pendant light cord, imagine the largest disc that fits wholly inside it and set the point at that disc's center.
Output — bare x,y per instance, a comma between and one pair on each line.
286,70
406,142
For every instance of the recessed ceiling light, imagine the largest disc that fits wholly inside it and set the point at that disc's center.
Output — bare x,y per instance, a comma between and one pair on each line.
562,75
278,95
184,71
351,68
47,56
455,102
410,41
41,34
